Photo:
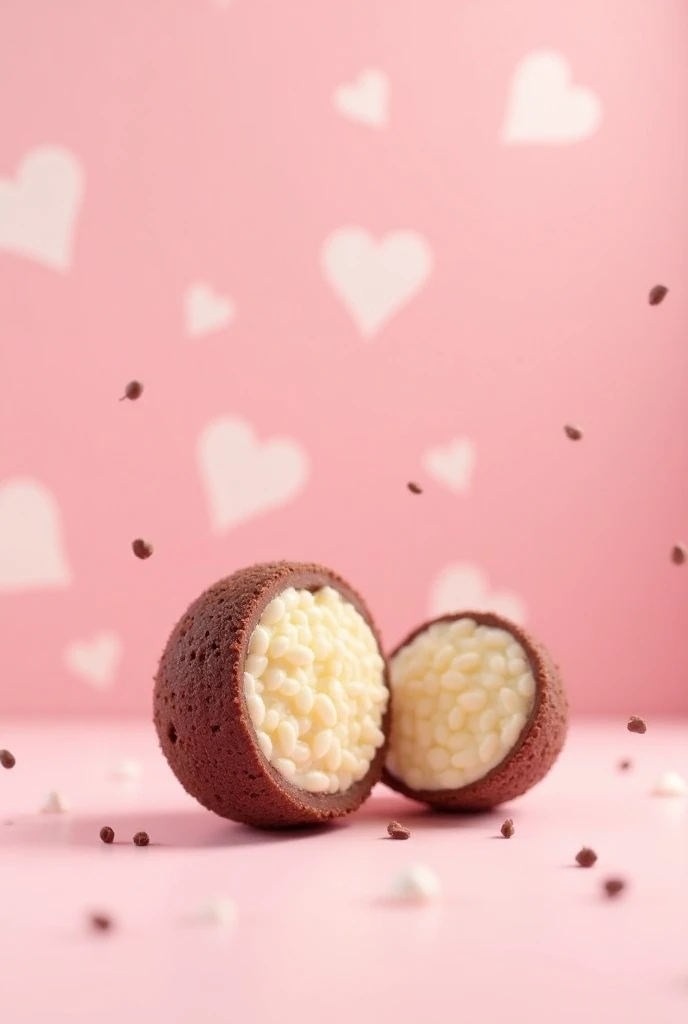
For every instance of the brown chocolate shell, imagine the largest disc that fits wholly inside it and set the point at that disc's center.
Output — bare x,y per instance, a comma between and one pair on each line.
200,711
536,749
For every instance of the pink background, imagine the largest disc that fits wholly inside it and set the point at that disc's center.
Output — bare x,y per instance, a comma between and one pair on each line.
210,149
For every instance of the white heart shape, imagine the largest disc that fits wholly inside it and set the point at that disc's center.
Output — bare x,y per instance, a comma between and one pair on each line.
96,660
206,311
464,587
243,476
544,106
366,99
374,279
32,555
452,464
39,208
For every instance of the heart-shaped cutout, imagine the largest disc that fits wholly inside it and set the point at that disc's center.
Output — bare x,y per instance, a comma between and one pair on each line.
452,464
465,587
96,660
39,208
32,552
545,107
243,476
375,278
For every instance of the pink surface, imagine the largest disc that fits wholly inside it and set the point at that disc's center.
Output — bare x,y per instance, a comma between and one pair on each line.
189,226
519,933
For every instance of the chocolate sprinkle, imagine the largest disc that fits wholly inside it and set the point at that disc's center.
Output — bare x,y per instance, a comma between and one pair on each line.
573,433
141,548
414,488
141,839
7,759
507,828
101,922
586,857
657,294
636,724
107,834
613,886
679,554
625,765
397,831
132,391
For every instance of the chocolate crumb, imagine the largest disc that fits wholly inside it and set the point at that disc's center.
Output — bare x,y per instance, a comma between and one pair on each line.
636,724
414,488
101,922
141,839
107,834
141,548
613,886
397,831
573,433
586,857
7,759
507,828
132,391
657,294
679,554
625,765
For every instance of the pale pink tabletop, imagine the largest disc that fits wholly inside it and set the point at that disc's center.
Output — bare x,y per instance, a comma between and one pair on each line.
519,933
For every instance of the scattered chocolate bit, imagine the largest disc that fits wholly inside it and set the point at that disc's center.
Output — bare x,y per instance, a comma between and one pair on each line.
101,922
141,839
573,433
141,548
107,834
613,886
657,294
586,857
636,724
132,391
7,759
625,764
679,554
507,828
397,831
414,488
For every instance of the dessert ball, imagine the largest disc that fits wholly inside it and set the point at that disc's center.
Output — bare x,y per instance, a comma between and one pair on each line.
272,699
480,714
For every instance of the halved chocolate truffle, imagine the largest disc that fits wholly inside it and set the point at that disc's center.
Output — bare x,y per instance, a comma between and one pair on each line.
480,713
272,697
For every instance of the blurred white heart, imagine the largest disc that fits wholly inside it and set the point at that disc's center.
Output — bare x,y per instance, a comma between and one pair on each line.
464,587
205,310
244,476
545,107
452,464
39,208
366,99
96,660
375,278
32,554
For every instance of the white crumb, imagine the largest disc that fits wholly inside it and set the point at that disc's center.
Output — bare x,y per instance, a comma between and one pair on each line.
416,883
220,911
55,803
670,784
127,770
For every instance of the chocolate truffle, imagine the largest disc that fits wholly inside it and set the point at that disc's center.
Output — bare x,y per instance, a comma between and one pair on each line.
272,699
480,714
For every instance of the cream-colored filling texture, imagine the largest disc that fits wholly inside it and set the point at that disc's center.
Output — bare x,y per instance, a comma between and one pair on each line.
315,689
462,695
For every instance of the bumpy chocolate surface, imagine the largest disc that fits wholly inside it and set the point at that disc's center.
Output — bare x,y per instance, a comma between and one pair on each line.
536,749
200,711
